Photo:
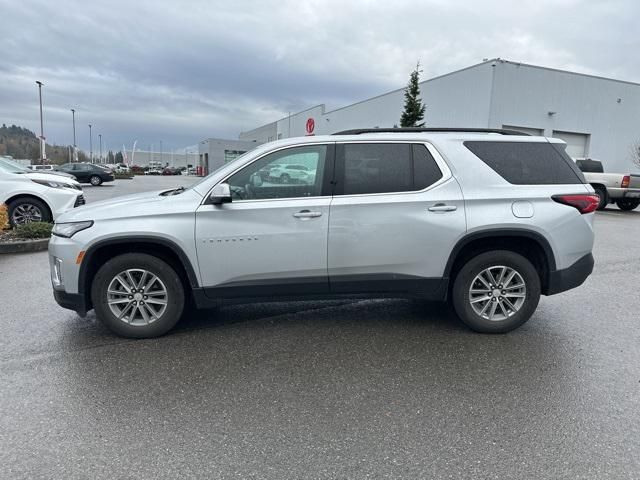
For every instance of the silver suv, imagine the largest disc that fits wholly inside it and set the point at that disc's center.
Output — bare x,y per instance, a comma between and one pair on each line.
487,219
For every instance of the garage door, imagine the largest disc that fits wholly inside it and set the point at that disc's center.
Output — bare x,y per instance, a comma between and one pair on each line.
529,130
576,143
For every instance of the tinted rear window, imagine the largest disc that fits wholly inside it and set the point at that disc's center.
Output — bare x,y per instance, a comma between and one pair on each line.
385,167
527,163
591,166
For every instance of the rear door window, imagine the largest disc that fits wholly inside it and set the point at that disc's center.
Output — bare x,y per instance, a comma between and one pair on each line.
367,168
528,163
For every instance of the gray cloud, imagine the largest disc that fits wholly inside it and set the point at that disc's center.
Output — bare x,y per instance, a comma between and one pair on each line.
182,71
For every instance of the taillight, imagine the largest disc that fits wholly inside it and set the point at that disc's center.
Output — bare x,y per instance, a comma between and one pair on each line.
626,180
584,203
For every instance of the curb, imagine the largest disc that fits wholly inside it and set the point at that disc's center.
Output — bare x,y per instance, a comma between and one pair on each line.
24,246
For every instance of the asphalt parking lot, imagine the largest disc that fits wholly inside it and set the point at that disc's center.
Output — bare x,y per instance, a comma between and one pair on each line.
343,389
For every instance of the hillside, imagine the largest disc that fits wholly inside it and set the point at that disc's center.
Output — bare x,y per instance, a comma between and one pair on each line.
19,142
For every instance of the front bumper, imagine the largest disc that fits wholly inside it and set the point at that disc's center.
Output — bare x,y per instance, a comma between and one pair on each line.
571,277
71,301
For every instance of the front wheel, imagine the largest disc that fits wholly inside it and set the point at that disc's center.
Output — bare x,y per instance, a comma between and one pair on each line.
496,292
137,296
627,204
26,210
95,180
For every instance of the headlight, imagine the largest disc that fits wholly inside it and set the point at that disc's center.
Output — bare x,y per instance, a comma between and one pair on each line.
68,230
52,184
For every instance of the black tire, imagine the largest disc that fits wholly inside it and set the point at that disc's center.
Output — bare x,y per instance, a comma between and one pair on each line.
285,178
627,204
460,295
95,180
604,197
168,277
34,205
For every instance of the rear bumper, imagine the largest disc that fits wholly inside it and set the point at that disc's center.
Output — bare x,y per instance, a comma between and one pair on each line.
632,194
618,193
572,277
71,301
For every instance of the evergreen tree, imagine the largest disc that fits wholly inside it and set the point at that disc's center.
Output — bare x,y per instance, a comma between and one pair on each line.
413,107
119,158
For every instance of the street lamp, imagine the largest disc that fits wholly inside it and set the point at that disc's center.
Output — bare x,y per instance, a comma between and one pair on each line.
43,154
90,145
100,138
75,148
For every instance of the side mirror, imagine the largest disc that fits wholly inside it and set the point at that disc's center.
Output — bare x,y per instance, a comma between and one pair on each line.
220,194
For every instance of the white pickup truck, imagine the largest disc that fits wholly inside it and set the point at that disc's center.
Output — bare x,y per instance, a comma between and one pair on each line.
623,189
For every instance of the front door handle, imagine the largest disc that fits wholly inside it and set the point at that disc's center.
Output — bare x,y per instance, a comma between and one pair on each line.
441,207
307,214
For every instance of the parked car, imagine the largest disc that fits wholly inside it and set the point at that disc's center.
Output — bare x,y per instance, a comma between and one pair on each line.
482,218
39,168
88,173
36,197
122,168
292,174
623,189
171,171
52,169
27,170
153,171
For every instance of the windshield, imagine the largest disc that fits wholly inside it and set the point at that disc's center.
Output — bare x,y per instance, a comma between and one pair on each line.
9,166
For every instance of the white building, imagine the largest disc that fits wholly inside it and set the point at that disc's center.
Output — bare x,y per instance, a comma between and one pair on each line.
597,117
215,152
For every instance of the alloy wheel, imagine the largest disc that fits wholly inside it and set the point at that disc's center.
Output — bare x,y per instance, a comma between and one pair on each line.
497,293
26,213
137,297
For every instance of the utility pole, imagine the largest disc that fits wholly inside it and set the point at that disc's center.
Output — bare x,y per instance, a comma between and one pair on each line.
90,145
75,148
161,154
43,154
100,138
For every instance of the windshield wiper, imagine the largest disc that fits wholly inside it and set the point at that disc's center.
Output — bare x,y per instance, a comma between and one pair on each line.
175,191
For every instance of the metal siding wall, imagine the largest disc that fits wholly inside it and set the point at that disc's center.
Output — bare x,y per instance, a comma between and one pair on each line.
524,95
461,99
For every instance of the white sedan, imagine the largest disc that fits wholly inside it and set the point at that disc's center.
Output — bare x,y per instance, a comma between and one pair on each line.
36,197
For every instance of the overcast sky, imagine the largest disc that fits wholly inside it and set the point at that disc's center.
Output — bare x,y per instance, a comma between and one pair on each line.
179,72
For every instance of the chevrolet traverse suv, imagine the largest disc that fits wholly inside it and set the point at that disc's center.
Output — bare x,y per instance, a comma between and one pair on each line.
487,219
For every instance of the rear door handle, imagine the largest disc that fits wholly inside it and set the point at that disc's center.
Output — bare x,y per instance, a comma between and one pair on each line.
441,207
307,214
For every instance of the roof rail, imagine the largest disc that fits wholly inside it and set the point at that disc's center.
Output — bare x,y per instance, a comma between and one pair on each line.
359,131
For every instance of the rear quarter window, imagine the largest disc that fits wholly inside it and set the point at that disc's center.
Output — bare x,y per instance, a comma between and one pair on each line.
528,163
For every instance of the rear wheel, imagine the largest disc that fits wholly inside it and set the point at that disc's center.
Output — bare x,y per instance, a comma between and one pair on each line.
26,210
496,292
95,180
285,178
604,197
627,204
137,296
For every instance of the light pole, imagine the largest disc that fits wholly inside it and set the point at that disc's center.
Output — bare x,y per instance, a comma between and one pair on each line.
75,148
90,145
161,154
100,138
43,154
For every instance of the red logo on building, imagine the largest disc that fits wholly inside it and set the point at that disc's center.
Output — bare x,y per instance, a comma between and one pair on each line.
311,125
